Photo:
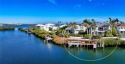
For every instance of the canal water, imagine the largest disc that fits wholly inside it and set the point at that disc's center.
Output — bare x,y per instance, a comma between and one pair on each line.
17,47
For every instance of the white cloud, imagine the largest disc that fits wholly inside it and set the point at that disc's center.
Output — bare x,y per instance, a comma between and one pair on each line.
52,2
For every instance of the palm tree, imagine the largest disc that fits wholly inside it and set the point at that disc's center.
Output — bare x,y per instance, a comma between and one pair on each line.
94,24
88,24
119,36
67,23
81,25
65,33
72,25
87,28
100,39
111,22
117,20
59,22
90,37
121,22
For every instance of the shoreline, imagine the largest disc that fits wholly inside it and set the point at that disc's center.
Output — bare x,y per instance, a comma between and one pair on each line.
72,38
59,41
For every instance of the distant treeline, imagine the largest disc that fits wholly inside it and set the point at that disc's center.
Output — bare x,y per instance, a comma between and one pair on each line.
3,28
21,29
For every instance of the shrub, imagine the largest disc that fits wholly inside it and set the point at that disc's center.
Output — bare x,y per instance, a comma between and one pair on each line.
3,28
89,36
112,42
108,33
114,32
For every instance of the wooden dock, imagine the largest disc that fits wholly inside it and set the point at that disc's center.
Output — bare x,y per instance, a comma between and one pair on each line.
84,43
48,39
28,31
81,44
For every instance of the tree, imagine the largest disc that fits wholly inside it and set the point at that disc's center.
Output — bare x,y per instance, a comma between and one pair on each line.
121,22
72,25
65,34
88,24
100,39
89,36
114,32
67,23
117,20
112,22
94,24
52,32
59,22
119,36
108,33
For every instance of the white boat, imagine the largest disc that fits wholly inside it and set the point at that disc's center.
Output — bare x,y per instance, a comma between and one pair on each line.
48,38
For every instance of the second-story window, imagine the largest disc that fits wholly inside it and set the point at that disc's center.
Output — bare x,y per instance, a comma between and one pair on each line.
101,28
121,27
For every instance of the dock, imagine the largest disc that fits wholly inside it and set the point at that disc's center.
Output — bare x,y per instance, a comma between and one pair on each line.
84,43
48,38
28,31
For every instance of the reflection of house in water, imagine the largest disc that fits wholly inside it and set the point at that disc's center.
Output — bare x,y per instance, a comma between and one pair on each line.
49,46
47,27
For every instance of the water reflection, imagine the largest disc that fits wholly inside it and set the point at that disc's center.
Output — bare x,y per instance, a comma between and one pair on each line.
49,46
17,47
90,53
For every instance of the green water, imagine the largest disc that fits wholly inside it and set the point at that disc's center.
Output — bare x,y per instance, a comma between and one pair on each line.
20,48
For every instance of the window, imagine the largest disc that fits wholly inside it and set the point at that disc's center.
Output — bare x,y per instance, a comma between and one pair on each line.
121,27
92,32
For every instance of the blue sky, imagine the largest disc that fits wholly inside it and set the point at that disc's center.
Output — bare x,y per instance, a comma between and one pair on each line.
51,11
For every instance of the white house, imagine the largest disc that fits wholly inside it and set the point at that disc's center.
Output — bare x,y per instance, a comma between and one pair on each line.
99,29
121,28
51,26
62,25
42,27
1,24
76,29
48,27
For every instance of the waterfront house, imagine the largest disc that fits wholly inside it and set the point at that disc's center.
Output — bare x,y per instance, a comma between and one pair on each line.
42,27
121,28
99,28
51,26
76,29
62,26
0,24
48,27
